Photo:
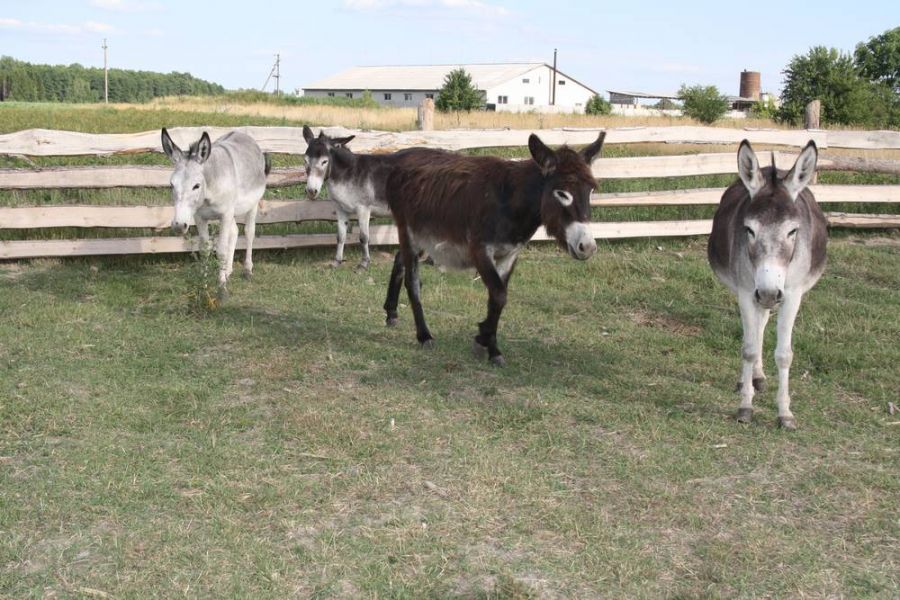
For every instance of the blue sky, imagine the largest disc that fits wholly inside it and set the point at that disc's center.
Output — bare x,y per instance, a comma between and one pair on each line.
645,44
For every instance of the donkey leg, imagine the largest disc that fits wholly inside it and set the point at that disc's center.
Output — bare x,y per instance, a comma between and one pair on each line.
751,316
250,234
363,213
487,329
784,356
225,252
342,219
411,279
759,376
393,293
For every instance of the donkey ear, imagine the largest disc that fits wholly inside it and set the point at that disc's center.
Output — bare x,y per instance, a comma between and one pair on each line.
542,155
748,169
308,135
591,151
171,148
204,148
802,172
341,142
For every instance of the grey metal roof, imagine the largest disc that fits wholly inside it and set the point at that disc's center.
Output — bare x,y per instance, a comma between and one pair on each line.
644,94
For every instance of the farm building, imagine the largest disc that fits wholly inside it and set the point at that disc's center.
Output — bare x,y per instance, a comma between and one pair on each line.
512,87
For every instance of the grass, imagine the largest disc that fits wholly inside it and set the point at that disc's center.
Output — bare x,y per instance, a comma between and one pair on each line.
289,444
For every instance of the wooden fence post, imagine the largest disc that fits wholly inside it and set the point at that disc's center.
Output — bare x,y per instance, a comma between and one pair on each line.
425,119
811,119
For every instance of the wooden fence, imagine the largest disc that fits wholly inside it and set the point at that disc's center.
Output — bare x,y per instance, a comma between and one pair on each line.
289,140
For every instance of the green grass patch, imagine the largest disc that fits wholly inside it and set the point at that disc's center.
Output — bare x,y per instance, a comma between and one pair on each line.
288,444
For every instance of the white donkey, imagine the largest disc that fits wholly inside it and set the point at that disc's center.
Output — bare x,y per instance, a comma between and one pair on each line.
221,181
768,246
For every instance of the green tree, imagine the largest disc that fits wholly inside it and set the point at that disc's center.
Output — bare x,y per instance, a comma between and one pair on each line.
703,103
764,109
831,76
597,105
878,60
459,93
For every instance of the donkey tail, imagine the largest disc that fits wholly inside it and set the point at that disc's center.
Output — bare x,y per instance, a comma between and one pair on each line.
268,160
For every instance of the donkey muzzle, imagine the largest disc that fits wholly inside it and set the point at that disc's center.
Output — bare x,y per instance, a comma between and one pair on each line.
580,241
179,228
768,298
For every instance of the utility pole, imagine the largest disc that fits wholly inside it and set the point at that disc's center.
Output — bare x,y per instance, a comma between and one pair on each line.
275,74
105,73
553,81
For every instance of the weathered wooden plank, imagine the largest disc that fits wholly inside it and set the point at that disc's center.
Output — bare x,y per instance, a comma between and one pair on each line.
839,219
380,235
150,217
285,211
43,142
604,168
113,177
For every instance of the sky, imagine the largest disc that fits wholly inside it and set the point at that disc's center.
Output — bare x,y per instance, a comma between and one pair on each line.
644,45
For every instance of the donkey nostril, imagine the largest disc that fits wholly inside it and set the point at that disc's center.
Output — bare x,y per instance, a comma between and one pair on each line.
581,247
756,294
779,296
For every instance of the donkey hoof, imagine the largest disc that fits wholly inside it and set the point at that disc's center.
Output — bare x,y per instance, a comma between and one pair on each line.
222,294
478,351
498,361
427,344
247,274
336,263
362,267
391,321
787,423
745,415
759,384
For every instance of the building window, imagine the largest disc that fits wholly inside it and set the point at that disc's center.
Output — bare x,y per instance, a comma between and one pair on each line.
331,94
529,100
526,80
502,99
407,97
562,82
349,94
387,96
429,96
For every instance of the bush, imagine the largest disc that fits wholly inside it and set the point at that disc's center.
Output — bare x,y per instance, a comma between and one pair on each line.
705,104
459,93
764,109
597,105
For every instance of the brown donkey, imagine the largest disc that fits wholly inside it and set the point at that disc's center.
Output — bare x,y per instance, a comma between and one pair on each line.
768,246
478,211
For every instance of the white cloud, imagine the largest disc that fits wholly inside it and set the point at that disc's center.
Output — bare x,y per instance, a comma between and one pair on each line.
125,5
476,7
60,28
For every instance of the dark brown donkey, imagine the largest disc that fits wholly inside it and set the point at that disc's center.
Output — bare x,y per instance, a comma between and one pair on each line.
768,245
478,211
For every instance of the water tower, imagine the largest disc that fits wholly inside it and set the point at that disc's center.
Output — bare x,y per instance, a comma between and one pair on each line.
750,85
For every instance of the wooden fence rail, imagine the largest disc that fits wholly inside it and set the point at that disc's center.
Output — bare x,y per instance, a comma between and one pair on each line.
289,140
603,168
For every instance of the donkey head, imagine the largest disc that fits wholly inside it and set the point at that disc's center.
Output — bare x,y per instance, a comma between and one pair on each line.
319,154
773,220
566,196
188,181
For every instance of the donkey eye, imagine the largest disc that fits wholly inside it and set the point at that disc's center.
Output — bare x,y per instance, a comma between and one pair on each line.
324,162
564,197
196,186
750,232
792,232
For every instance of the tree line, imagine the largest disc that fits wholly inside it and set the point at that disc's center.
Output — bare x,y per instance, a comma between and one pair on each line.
28,82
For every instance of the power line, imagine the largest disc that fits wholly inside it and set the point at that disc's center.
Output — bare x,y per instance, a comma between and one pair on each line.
275,74
105,73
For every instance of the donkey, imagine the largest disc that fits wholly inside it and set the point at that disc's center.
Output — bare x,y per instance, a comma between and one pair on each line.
768,246
222,181
355,183
478,211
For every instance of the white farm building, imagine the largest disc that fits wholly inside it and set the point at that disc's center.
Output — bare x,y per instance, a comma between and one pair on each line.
513,87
